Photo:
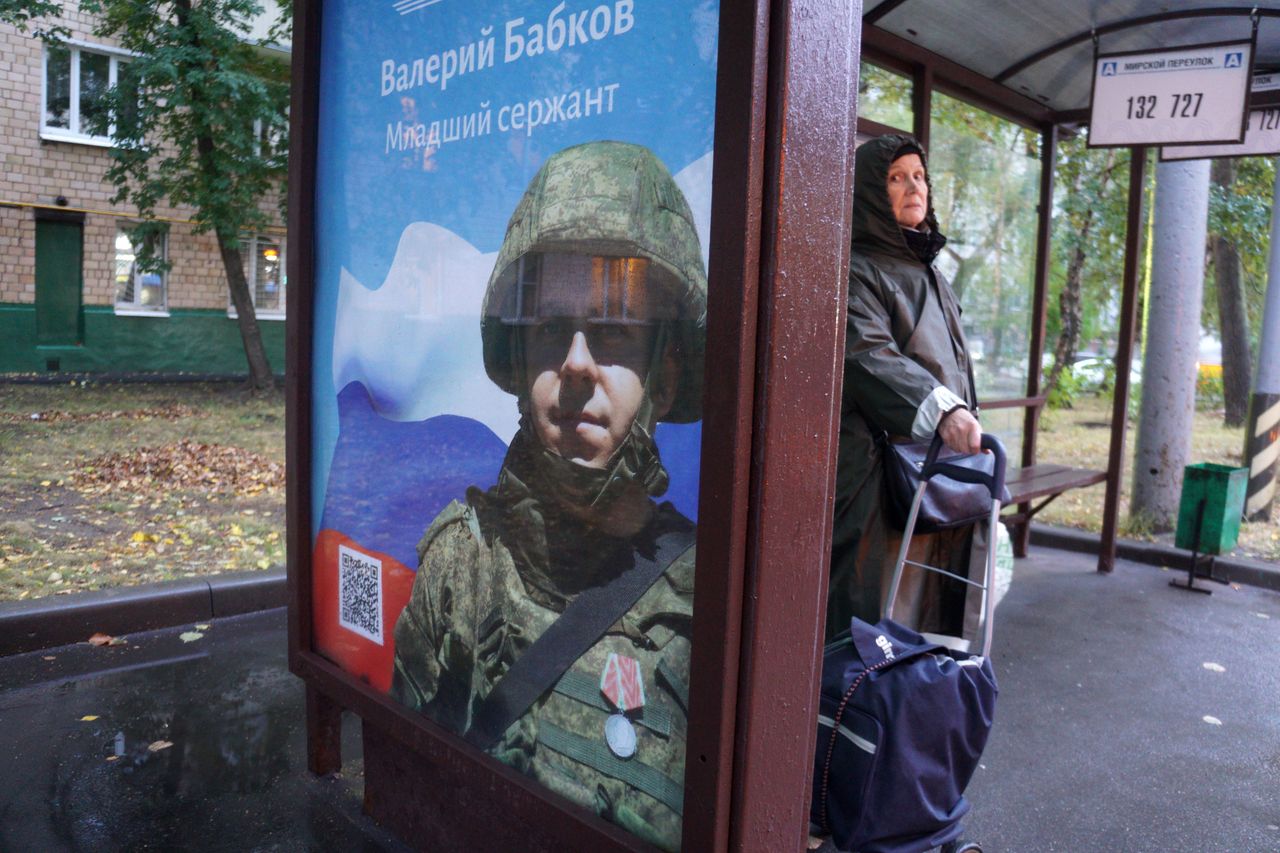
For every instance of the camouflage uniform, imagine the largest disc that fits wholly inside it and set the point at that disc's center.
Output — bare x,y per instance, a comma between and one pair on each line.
495,572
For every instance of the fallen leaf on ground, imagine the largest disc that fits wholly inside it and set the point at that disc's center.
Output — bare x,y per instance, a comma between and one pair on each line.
202,627
1214,667
49,657
1213,721
190,636
88,718
100,639
113,758
156,746
184,464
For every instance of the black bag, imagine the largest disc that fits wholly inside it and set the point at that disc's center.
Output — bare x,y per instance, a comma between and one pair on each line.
902,723
947,502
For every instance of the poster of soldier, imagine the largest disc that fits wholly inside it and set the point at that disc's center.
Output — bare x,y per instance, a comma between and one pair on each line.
512,209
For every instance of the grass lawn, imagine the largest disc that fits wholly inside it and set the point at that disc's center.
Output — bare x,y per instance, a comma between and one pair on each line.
107,485
1081,437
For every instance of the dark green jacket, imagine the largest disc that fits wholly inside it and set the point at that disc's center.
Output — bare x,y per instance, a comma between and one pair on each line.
903,340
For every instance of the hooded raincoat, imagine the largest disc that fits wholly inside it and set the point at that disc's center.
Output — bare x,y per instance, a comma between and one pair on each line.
903,343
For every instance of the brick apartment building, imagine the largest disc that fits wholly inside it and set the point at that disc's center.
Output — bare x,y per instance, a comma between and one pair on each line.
71,298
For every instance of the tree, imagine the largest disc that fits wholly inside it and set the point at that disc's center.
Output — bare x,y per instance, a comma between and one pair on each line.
1088,255
1233,321
199,120
30,15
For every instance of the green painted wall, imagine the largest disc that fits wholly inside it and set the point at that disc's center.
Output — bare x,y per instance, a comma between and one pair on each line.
188,341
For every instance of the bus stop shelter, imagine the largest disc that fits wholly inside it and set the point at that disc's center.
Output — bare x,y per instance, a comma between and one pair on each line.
786,124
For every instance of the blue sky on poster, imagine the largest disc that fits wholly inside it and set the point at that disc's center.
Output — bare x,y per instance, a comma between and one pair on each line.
390,206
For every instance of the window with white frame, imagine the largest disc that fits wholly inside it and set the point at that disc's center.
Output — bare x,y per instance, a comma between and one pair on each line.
76,77
137,290
263,257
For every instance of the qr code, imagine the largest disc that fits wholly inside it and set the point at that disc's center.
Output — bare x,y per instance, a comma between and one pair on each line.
360,593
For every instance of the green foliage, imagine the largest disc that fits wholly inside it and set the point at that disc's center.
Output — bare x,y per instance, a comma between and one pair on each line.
1091,188
1242,215
1067,390
30,15
885,96
200,118
985,174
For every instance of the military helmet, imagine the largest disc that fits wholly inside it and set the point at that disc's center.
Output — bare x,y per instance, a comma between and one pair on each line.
617,203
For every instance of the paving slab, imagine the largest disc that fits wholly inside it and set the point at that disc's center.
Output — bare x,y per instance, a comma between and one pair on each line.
1133,716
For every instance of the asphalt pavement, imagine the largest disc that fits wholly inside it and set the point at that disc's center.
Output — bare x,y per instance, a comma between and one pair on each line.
1132,716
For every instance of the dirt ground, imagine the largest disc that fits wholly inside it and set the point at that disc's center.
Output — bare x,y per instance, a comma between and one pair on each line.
113,484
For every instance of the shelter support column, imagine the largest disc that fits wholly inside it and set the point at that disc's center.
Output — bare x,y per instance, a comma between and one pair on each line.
1044,260
1124,356
1262,438
1172,340
804,266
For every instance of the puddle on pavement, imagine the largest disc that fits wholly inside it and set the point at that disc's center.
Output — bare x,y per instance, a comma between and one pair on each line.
194,754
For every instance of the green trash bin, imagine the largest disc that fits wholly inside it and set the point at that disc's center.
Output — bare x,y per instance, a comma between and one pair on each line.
1222,489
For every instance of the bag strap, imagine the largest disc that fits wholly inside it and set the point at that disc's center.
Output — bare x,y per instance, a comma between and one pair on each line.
824,787
593,612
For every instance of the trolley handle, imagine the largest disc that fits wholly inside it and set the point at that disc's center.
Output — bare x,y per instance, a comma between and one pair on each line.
964,474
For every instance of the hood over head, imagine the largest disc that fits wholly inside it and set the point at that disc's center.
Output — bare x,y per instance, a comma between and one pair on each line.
874,227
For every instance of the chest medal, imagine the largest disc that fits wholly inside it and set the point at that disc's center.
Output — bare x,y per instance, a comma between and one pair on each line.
623,685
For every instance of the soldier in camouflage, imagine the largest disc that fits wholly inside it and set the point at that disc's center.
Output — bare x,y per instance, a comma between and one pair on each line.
594,319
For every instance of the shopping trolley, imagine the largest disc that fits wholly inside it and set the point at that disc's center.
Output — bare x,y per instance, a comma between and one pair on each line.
965,469
956,469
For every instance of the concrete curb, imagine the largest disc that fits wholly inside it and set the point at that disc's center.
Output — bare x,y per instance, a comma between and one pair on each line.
57,620
117,378
1241,570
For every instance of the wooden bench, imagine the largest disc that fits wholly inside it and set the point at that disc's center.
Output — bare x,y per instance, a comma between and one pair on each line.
1036,480
1042,480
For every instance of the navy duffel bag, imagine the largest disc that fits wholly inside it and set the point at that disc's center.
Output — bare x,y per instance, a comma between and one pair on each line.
901,726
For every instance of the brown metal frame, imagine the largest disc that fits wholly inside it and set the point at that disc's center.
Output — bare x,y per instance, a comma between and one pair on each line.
931,72
885,48
1039,303
814,54
1124,358
784,133
775,335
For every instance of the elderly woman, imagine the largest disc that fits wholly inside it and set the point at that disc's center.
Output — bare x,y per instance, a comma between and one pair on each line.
906,373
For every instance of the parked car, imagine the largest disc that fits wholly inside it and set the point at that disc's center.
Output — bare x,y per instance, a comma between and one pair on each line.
1096,372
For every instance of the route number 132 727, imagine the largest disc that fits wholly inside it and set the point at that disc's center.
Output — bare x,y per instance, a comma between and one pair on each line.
1184,106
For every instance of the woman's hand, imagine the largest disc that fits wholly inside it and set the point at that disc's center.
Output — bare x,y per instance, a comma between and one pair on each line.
961,431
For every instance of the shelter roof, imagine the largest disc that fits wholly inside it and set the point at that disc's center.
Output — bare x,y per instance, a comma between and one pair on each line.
1043,49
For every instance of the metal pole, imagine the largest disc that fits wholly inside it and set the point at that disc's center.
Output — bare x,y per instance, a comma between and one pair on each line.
804,266
922,103
1262,439
1124,356
1039,300
1172,341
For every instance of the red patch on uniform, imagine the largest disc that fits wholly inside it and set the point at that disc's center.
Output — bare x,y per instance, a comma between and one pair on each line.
622,683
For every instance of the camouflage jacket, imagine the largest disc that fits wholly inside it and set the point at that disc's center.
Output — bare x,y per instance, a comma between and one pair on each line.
493,574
